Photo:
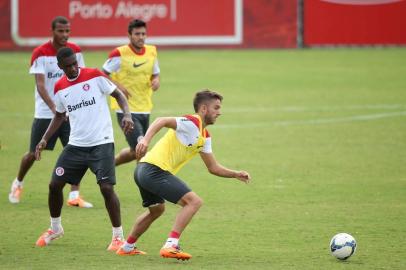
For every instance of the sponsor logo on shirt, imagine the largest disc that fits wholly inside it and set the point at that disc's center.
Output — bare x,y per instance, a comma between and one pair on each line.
51,75
82,104
138,65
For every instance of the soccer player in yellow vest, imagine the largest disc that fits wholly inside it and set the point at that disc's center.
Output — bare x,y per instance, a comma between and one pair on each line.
135,70
155,172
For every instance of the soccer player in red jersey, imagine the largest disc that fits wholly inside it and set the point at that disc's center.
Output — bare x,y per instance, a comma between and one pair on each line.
83,94
46,71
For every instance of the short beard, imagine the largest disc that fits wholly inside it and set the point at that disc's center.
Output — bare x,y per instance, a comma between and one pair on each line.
208,121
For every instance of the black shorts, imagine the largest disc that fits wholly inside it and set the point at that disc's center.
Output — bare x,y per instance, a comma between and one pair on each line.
141,124
74,161
40,126
157,185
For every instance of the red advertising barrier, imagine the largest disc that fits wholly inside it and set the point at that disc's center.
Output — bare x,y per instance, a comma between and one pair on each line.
270,23
5,39
103,23
354,22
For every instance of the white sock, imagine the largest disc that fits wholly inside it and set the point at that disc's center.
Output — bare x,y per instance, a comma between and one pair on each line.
128,247
18,183
118,232
73,195
171,242
56,225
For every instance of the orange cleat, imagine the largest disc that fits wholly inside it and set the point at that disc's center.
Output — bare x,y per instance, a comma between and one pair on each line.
175,252
79,202
134,251
115,244
47,237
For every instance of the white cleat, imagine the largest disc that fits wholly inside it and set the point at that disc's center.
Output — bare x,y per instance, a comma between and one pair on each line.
15,193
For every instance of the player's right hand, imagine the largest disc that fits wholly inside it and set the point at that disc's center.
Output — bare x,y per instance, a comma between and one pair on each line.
127,124
141,149
243,176
38,149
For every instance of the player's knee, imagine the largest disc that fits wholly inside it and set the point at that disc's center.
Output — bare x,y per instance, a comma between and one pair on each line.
191,199
56,186
107,190
157,210
196,202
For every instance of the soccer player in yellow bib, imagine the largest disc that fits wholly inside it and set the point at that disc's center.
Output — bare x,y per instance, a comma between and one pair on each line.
135,70
155,172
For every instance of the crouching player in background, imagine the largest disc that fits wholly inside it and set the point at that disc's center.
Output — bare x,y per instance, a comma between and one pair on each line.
155,173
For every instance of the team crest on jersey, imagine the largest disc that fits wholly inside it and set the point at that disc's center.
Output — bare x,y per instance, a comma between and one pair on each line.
86,87
59,171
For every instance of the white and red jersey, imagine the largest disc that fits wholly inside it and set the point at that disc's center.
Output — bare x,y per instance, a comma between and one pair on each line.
187,132
84,98
43,61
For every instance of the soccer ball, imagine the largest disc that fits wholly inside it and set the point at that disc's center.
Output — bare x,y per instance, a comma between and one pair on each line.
342,246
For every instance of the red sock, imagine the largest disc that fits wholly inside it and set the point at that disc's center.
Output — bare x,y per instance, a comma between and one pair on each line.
174,234
131,240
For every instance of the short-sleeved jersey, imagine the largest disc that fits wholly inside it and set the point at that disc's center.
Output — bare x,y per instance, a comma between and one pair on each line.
134,71
84,98
179,146
43,61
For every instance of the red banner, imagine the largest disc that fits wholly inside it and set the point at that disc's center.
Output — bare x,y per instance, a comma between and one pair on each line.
270,23
354,22
104,22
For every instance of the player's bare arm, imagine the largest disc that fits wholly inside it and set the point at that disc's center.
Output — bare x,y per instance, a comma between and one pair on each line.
40,82
217,169
155,82
127,122
56,122
119,85
156,126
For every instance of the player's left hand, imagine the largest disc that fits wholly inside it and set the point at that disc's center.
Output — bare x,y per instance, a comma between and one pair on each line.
141,149
127,123
40,146
155,84
243,176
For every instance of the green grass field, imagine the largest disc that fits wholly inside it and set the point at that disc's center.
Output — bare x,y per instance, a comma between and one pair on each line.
322,132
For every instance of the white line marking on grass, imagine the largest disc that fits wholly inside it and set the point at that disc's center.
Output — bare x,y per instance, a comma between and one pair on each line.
323,108
317,109
355,118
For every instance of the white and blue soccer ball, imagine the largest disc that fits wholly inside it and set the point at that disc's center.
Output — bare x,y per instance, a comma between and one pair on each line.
343,246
